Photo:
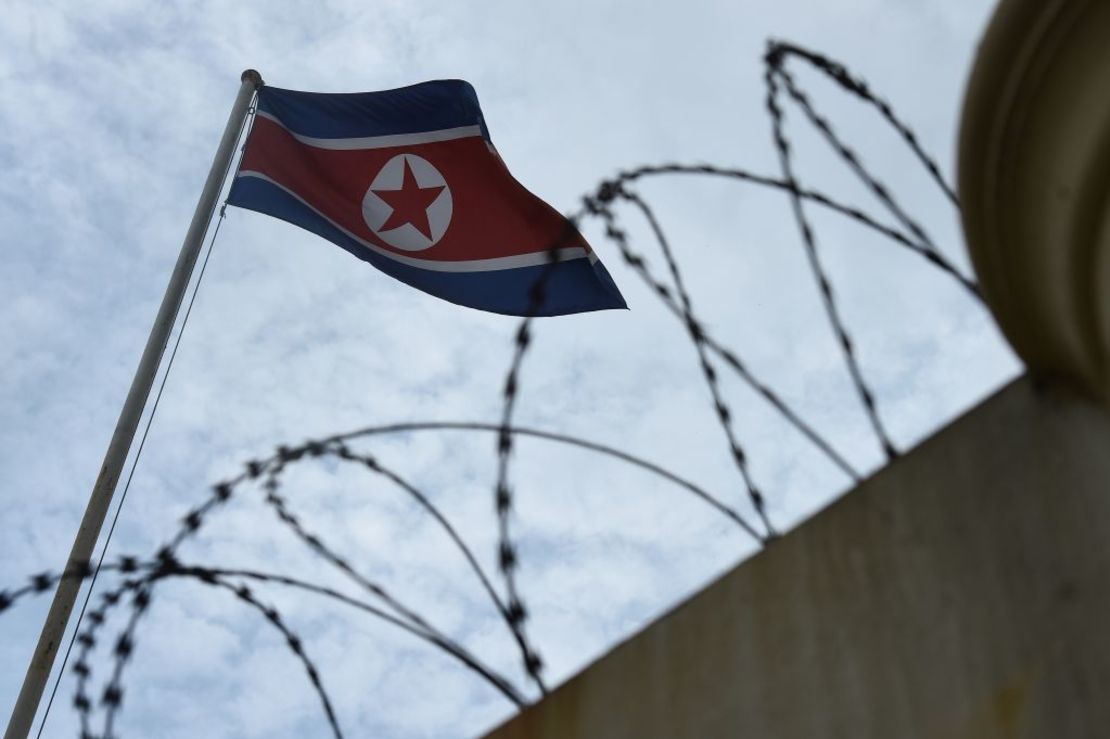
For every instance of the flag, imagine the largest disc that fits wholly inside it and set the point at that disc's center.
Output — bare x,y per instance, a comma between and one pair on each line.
409,180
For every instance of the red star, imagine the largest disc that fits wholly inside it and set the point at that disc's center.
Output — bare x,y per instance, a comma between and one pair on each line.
409,204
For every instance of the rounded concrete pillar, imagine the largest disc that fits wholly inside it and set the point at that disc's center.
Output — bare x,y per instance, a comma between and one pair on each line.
1034,181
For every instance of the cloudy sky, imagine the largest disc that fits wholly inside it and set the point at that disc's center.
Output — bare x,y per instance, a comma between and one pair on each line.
110,114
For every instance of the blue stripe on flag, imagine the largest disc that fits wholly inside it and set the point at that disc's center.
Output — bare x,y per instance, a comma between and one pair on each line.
573,286
428,106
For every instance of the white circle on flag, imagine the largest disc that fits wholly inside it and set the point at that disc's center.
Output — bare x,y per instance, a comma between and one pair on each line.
408,205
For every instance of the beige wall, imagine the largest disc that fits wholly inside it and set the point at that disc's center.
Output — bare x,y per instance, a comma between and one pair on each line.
964,591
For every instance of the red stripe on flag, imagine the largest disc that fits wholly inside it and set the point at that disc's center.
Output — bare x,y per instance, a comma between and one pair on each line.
493,214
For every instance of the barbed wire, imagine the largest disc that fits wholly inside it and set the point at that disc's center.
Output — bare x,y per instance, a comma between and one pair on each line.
139,578
927,251
859,87
696,334
772,75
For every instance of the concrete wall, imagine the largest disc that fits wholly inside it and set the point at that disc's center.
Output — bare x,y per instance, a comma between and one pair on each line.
964,591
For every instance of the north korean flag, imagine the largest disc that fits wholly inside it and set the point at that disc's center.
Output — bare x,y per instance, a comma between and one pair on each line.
409,181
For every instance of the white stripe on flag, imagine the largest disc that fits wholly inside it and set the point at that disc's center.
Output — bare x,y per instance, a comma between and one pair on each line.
380,142
565,254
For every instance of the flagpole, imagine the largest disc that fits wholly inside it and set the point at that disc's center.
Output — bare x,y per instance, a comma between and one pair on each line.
53,629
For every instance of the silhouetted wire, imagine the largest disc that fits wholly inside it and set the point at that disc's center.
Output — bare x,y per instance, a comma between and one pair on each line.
267,468
277,501
296,646
596,205
499,682
849,155
926,250
86,641
142,443
782,146
608,188
140,578
507,559
503,494
123,649
579,442
163,568
860,88
191,524
600,207
697,334
371,463
317,448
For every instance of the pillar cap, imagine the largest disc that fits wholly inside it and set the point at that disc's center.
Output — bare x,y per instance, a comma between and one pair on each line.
1034,181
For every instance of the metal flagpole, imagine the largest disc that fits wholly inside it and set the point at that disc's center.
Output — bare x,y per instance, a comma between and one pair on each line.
38,672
